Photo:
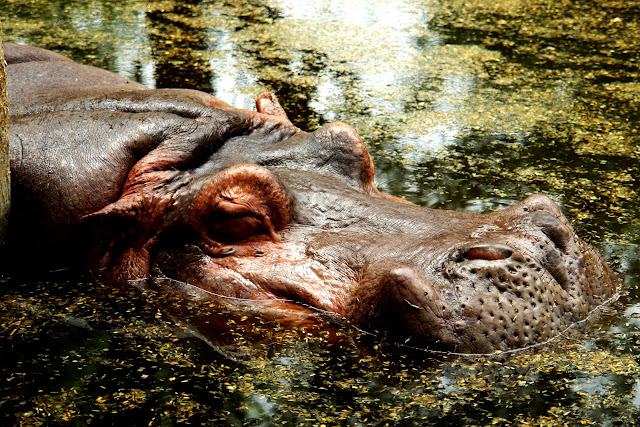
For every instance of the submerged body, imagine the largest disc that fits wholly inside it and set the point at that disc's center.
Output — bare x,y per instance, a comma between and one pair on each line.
140,185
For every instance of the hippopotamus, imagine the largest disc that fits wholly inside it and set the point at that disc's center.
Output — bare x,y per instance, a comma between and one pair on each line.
133,184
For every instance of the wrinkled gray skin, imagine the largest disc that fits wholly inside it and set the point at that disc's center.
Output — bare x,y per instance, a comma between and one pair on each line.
138,185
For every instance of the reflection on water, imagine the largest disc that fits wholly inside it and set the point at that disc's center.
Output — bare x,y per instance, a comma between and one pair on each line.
464,105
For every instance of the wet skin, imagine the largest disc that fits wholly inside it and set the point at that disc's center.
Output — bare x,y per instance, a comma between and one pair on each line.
140,186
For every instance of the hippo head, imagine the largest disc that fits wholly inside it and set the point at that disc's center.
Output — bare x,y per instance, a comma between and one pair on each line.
271,212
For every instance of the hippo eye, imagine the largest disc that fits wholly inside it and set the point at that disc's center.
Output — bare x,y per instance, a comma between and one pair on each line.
228,229
219,231
237,203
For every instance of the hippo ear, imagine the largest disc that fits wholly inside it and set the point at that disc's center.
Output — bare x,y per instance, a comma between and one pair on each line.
267,103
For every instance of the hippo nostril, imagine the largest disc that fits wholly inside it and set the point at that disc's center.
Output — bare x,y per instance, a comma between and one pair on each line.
553,228
487,251
229,250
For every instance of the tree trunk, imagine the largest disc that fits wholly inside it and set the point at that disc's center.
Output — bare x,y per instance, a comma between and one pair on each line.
4,145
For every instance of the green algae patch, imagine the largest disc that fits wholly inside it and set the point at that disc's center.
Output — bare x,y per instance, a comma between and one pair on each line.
88,354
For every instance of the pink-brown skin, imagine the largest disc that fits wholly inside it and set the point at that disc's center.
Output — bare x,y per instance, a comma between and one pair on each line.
150,187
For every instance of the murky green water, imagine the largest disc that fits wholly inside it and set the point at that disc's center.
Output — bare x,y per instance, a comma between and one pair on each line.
464,105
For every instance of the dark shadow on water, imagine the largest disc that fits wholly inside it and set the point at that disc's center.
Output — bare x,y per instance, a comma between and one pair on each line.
178,44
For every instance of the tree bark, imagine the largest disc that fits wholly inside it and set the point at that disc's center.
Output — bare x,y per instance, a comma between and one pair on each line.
4,145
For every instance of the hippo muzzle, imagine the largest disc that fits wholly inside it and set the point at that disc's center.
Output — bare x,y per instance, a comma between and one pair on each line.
145,186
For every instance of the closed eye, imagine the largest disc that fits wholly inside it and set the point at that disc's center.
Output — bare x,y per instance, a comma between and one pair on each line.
228,229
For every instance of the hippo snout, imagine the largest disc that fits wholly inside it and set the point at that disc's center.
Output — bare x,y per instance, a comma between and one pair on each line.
509,303
526,283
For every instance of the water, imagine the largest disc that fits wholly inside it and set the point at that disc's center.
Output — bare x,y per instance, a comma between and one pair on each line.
464,105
